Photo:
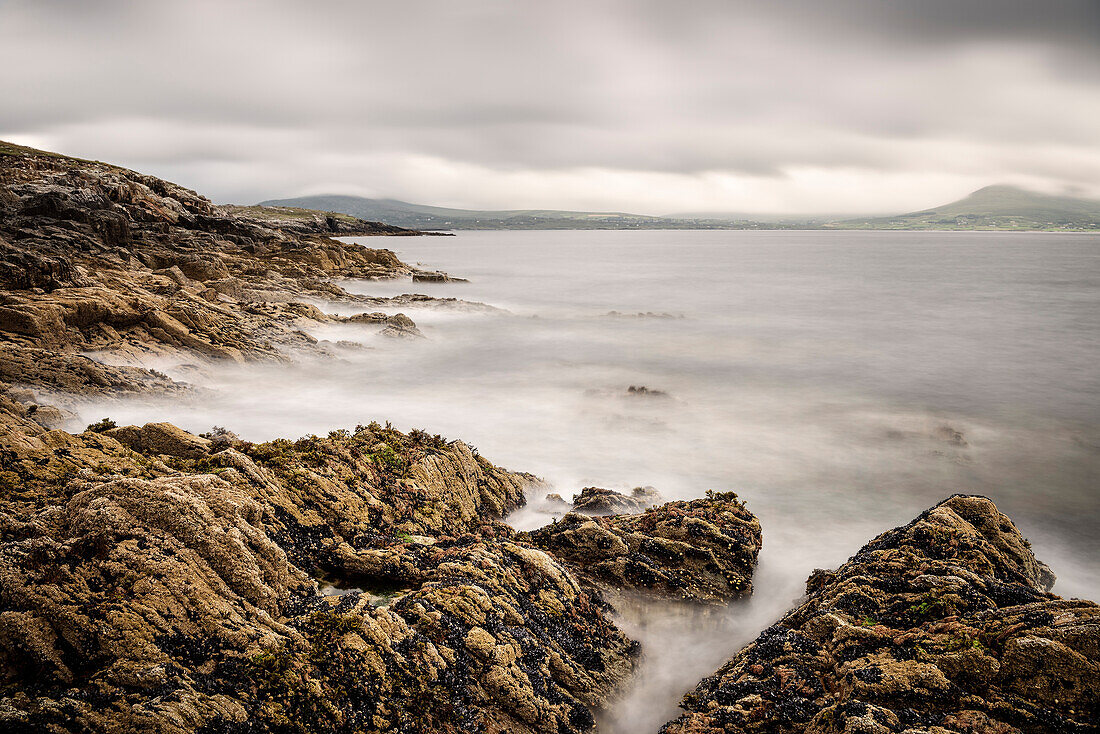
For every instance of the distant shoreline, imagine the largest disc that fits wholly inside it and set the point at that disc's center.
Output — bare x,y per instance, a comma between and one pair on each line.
454,231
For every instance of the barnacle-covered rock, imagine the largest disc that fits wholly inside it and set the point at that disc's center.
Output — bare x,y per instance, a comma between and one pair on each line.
701,550
151,580
942,626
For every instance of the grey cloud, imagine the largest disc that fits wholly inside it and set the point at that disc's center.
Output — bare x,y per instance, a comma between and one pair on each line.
249,102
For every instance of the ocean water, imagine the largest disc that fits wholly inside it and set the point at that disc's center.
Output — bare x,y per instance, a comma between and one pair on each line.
840,382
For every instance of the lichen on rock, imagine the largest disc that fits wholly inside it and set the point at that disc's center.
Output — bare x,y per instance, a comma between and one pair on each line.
701,550
945,625
152,580
97,258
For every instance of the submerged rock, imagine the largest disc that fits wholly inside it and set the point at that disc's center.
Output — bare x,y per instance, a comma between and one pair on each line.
432,277
401,326
643,391
942,626
701,550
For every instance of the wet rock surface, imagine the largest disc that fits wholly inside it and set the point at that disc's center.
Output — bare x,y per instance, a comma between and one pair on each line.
96,258
165,582
701,550
943,626
599,501
153,580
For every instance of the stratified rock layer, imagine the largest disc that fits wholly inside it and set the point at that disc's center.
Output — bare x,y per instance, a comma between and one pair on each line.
701,550
943,626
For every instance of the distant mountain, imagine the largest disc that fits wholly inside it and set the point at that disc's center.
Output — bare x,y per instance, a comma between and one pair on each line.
419,216
993,207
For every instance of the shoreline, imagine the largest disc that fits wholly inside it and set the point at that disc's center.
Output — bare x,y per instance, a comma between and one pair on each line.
366,579
758,229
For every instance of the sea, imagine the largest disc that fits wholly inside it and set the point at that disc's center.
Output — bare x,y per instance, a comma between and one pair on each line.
841,382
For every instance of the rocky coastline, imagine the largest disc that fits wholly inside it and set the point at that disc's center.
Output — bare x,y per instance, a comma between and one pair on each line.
943,625
152,580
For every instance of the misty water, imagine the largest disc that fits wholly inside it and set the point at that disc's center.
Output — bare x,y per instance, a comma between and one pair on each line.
840,382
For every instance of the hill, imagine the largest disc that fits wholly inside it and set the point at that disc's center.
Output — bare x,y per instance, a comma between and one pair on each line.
993,207
419,216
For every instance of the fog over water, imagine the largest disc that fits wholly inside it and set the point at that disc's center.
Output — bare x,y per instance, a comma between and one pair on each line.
840,382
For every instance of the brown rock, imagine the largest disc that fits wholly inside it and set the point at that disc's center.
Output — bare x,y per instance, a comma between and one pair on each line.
212,624
943,625
598,501
703,550
161,439
174,274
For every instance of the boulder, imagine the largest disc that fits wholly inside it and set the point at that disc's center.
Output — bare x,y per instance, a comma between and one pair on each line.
944,625
401,326
375,317
162,439
51,417
231,287
175,275
598,501
202,267
701,550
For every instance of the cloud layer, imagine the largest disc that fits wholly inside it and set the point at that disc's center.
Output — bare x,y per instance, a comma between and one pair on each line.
848,105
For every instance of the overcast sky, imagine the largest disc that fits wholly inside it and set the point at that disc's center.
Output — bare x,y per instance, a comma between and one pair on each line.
646,106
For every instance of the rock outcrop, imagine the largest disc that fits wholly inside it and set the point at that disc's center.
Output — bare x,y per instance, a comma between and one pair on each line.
161,439
59,375
152,580
944,626
700,550
599,501
397,325
96,258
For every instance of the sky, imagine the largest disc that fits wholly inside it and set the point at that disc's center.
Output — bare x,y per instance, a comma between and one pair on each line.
647,106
